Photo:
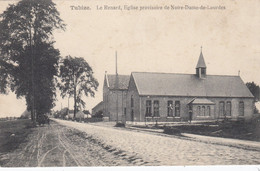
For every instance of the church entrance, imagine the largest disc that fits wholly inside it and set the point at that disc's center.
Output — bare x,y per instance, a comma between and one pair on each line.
132,115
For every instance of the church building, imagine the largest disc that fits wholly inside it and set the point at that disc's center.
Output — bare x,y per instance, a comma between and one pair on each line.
168,97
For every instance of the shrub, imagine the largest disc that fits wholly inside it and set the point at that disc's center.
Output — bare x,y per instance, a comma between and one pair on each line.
171,130
119,124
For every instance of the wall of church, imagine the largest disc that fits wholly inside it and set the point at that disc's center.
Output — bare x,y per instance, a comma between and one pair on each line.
111,98
115,104
133,102
140,108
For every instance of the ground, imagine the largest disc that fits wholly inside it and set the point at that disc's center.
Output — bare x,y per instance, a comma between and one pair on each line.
57,145
67,143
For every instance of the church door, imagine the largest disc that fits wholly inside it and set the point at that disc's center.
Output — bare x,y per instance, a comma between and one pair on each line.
132,115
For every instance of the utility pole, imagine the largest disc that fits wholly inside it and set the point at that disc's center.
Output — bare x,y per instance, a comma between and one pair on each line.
75,95
117,89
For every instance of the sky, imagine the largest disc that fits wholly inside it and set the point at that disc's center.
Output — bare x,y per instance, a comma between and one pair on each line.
167,41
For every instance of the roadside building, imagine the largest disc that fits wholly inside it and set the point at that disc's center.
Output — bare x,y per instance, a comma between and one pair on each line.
98,108
70,114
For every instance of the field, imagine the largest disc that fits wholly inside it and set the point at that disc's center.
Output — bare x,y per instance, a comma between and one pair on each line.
20,130
13,133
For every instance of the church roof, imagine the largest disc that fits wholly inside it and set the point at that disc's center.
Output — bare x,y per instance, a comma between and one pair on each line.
123,81
201,62
169,84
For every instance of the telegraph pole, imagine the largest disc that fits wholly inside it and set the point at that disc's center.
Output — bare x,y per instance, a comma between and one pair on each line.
116,87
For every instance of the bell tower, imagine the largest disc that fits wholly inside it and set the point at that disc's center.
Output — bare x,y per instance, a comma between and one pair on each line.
201,67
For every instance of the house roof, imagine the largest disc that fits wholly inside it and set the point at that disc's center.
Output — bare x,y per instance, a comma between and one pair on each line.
80,113
169,84
201,62
100,104
123,81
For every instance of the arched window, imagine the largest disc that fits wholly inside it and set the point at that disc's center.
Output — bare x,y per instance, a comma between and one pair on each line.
156,108
198,110
177,108
208,111
228,108
170,108
148,108
221,108
203,111
241,109
132,101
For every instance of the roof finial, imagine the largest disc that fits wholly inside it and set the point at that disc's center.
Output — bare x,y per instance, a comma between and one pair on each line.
201,49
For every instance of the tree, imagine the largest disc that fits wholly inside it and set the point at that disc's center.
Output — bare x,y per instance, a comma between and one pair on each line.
28,60
76,80
254,89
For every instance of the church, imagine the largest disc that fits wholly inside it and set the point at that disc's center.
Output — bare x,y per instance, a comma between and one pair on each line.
170,97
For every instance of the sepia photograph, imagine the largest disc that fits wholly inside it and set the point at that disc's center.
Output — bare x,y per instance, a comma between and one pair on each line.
110,84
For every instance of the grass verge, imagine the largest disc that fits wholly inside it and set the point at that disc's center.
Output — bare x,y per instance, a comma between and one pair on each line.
13,133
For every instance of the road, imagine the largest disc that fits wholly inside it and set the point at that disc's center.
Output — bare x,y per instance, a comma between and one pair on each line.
57,145
166,150
66,143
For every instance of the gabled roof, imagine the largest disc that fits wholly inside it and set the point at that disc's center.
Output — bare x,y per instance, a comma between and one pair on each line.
201,101
201,62
169,84
100,104
80,113
123,81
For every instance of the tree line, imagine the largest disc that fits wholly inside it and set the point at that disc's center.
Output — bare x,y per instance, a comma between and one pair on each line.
30,65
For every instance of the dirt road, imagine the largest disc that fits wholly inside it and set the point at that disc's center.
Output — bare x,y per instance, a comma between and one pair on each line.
56,145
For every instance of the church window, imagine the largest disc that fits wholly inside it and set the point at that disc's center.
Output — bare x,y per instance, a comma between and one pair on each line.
228,110
132,101
170,108
241,109
198,110
156,108
203,111
177,108
208,111
221,108
148,111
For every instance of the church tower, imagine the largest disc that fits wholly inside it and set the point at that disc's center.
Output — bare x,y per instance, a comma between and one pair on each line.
201,67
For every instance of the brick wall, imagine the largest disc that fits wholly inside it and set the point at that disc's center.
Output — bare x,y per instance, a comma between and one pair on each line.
140,107
135,110
111,98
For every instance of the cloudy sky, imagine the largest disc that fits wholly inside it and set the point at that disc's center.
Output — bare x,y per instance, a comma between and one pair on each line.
156,40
